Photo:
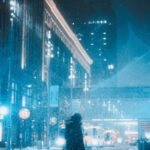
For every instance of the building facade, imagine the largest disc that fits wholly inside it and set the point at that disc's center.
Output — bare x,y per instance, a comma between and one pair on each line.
41,61
96,30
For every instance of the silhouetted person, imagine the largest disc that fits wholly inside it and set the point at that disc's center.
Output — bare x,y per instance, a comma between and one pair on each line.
73,133
143,144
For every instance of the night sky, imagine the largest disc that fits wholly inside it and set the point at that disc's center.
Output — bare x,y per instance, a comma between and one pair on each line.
130,32
135,12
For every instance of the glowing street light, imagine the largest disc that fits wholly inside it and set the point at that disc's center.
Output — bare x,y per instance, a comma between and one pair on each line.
24,113
12,3
110,66
53,121
60,141
105,21
12,9
3,111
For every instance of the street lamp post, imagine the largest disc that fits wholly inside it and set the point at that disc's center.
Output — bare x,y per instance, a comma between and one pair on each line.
72,78
111,67
86,87
24,114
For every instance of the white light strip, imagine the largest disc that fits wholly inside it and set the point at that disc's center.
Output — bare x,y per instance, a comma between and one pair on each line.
131,132
66,27
23,59
133,123
113,120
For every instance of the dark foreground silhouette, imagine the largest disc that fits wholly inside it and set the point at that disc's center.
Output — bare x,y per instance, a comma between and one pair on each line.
73,133
143,144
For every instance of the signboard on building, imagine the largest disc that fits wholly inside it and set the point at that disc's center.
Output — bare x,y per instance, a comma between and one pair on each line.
54,92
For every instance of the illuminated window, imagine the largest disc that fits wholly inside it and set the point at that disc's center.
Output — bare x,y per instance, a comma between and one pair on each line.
92,44
92,33
110,66
105,21
105,59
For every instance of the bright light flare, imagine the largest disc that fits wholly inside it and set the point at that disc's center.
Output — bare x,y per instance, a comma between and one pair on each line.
94,142
119,140
4,110
12,3
60,141
110,66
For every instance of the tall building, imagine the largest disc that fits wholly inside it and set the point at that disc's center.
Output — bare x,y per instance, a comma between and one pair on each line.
95,27
20,55
39,55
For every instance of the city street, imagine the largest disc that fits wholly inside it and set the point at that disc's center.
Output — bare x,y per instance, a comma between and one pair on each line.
74,74
106,148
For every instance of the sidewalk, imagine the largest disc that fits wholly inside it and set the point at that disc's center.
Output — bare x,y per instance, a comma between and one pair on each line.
35,148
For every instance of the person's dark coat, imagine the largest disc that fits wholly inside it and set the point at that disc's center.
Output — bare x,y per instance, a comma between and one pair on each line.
73,133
